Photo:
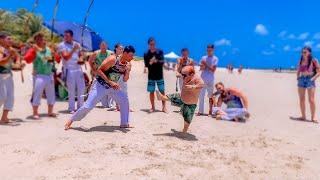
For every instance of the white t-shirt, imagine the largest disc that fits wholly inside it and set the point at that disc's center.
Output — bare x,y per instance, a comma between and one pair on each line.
73,62
207,75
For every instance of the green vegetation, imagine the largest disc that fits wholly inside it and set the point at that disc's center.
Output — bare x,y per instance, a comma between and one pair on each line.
22,25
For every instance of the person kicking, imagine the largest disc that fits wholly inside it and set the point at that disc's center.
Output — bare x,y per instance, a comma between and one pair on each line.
189,96
106,84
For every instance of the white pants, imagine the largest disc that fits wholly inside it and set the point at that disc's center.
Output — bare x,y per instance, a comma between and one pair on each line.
76,86
43,83
96,93
230,113
123,88
6,92
208,88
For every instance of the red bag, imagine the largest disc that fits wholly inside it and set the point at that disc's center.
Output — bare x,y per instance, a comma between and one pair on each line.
30,55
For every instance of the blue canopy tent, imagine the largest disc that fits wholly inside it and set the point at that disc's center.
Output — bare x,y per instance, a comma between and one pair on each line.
91,40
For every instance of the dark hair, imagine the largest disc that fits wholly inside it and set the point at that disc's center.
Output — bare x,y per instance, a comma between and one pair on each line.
151,39
116,46
210,46
69,31
3,35
38,36
219,83
310,58
129,49
184,49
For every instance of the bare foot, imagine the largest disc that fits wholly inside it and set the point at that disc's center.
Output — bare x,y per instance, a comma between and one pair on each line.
126,126
67,126
200,114
131,110
152,110
4,121
53,115
164,110
36,117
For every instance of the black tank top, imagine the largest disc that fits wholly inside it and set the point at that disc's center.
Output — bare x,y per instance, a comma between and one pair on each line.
114,73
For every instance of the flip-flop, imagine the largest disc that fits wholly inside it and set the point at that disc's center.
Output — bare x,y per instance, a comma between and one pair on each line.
53,115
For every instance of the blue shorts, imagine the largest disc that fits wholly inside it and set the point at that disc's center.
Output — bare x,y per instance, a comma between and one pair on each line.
152,85
305,82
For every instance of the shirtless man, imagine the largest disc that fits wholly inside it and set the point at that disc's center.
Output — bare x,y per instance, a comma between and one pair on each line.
189,97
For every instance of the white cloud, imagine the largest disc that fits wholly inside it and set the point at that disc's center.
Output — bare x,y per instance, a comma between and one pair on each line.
224,53
317,36
235,50
223,42
292,36
287,48
303,36
283,34
261,30
309,43
297,49
268,53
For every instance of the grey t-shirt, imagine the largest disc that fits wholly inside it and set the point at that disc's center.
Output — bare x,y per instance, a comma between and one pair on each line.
207,75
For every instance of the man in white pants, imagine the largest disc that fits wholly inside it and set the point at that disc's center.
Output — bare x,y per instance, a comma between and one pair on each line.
72,72
43,66
208,66
6,82
107,84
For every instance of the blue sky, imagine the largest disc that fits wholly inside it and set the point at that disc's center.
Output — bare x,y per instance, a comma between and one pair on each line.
256,34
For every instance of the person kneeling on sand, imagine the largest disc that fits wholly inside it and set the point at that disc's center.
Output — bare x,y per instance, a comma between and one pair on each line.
189,96
236,102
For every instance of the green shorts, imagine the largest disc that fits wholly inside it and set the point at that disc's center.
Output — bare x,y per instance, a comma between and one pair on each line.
187,110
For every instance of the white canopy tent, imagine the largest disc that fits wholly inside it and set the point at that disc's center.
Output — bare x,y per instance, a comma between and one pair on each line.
171,55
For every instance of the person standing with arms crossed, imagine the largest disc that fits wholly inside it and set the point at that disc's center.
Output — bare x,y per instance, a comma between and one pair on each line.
208,66
154,60
72,71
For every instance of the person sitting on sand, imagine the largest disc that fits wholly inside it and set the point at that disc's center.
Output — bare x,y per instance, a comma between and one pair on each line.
106,84
236,102
308,72
189,97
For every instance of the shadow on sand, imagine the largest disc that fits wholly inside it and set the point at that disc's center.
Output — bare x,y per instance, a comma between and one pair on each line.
301,120
101,129
179,135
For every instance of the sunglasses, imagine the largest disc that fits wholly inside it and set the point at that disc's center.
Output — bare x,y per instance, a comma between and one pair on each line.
184,75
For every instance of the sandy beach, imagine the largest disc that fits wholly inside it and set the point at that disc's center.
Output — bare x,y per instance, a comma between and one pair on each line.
269,146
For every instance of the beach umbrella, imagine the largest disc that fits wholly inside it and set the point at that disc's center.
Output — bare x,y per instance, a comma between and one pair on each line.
82,34
171,55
